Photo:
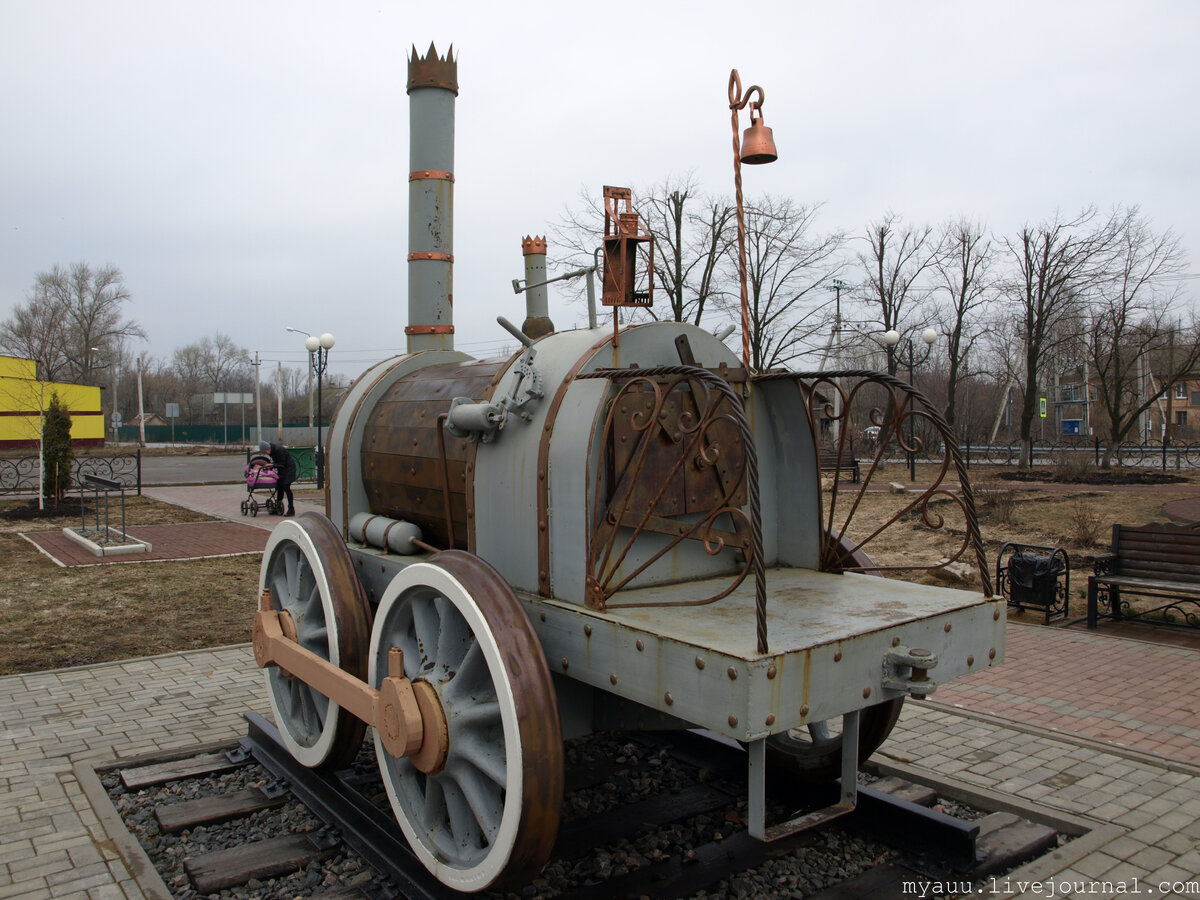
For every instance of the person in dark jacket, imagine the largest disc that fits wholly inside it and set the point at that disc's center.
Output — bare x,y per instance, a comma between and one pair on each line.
285,465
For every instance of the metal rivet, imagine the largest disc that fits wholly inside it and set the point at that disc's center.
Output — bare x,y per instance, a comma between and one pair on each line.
770,720
640,645
732,721
946,628
866,693
613,678
541,526
971,660
837,657
565,664
996,615
667,696
895,642
992,653
699,663
587,629
732,673
804,710
771,672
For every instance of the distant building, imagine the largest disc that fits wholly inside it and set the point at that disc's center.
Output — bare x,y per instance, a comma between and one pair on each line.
23,398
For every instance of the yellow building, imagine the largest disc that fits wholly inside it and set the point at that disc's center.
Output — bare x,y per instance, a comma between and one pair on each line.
23,397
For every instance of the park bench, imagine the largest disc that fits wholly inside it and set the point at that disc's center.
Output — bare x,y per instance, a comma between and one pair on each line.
831,461
1156,561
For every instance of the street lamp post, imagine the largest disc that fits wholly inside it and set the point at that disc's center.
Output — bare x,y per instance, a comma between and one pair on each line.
756,148
318,353
892,338
310,391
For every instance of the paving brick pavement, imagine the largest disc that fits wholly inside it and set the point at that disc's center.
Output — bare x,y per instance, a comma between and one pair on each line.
1130,693
53,845
190,540
224,501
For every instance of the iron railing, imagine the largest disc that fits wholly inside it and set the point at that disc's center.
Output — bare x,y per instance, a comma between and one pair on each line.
19,474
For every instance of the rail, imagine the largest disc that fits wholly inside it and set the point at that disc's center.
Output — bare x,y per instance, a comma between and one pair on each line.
20,475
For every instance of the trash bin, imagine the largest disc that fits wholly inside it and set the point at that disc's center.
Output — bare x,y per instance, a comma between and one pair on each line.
1033,579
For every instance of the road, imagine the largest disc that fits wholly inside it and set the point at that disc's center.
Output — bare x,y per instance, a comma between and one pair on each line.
221,468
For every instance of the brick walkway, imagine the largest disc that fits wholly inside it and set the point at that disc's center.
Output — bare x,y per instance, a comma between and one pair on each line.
1017,734
192,540
1129,693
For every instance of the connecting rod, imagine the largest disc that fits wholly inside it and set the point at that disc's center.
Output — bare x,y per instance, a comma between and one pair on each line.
407,714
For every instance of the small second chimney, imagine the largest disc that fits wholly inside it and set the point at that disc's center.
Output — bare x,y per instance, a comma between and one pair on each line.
537,305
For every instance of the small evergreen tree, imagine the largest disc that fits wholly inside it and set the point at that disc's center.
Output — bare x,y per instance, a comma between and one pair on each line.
57,453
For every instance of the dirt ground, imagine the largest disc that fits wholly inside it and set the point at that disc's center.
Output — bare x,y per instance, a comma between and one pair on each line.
53,617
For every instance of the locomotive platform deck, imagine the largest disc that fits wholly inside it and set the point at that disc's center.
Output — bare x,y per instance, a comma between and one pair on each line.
1037,728
828,636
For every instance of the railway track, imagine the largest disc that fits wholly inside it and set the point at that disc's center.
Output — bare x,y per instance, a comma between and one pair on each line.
656,814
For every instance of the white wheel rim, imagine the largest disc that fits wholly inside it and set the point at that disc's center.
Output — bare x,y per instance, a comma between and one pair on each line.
462,823
307,720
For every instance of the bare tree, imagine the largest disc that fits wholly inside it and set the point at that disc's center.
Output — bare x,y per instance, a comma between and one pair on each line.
788,264
87,306
895,265
187,362
1056,264
692,233
963,277
34,331
1133,333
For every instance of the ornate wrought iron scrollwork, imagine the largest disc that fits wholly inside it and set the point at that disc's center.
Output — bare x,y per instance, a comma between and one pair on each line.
678,460
19,474
831,400
123,468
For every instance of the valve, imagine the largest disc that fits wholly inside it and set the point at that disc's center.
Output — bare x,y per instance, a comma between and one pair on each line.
481,422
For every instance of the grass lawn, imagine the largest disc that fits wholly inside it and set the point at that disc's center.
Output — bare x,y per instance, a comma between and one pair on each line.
52,617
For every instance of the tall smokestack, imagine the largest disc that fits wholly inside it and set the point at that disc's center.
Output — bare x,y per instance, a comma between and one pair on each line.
537,305
432,87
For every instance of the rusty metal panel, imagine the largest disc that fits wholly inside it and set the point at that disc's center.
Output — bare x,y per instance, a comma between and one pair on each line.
404,473
830,635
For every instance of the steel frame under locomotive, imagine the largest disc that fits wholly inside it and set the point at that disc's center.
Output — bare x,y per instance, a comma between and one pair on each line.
610,529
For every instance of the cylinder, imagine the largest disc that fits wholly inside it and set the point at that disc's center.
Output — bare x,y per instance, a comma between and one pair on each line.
432,87
385,533
412,468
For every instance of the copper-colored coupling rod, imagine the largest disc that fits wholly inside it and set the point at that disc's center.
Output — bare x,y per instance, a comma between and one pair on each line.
407,715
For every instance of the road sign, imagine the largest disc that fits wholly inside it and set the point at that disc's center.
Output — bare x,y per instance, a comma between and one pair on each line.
1043,407
116,420
172,410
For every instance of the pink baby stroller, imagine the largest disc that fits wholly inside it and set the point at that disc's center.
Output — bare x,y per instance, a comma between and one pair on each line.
261,476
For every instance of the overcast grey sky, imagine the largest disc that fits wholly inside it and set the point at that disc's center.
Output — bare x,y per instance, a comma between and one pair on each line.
245,164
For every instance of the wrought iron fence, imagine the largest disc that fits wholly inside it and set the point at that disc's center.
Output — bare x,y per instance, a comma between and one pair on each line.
19,474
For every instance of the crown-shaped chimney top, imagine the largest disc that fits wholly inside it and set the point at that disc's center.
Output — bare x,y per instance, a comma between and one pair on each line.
433,71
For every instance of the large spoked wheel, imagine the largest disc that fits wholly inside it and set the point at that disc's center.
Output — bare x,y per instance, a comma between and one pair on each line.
486,812
814,753
311,578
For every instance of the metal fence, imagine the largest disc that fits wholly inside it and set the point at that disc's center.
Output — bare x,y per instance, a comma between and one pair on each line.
1165,455
19,474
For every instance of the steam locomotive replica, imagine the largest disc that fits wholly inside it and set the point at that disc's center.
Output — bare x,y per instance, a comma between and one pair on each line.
614,528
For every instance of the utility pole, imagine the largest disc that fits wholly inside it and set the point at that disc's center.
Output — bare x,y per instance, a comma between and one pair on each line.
835,344
257,398
279,397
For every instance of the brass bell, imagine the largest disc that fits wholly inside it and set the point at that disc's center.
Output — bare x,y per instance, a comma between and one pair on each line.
758,144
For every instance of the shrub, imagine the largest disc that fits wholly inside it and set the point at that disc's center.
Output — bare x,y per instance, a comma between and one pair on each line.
57,453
